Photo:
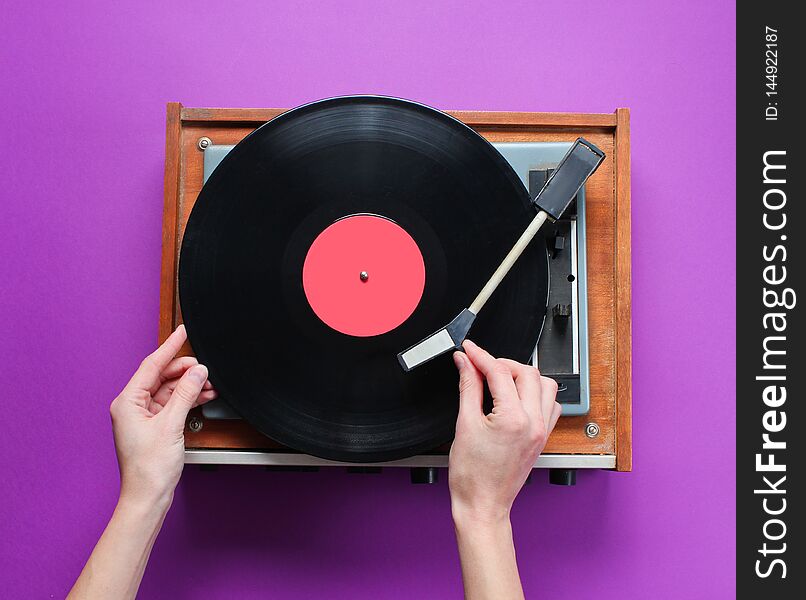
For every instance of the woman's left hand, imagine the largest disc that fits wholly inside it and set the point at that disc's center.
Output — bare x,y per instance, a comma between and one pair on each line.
148,420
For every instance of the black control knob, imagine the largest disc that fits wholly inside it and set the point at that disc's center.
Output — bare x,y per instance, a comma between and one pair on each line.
424,475
563,476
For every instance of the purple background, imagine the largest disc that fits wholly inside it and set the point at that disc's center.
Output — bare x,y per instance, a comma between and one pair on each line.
84,87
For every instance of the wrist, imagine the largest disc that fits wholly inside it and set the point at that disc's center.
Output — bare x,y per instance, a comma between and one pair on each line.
480,519
141,502
483,531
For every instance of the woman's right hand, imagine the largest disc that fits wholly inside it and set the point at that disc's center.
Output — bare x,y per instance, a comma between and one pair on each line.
492,455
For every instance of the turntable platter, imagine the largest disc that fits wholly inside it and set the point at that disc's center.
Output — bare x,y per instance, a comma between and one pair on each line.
332,237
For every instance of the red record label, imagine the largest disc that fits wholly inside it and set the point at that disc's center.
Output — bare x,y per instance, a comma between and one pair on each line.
363,275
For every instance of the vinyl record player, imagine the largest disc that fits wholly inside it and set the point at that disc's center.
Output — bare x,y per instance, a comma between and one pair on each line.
584,341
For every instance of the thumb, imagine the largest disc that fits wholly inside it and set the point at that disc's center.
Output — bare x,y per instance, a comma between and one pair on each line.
471,388
185,394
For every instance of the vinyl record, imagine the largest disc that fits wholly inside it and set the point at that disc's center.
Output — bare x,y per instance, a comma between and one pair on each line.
335,236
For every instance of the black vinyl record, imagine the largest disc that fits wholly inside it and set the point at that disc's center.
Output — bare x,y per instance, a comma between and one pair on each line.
250,319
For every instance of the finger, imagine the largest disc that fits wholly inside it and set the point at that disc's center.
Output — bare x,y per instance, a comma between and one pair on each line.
174,371
185,395
177,367
556,413
530,389
497,373
155,408
471,388
548,395
206,396
163,393
148,375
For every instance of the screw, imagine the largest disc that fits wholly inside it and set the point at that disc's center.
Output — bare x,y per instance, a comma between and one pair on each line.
364,275
195,424
205,142
591,430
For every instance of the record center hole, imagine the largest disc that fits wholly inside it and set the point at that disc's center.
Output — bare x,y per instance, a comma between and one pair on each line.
571,278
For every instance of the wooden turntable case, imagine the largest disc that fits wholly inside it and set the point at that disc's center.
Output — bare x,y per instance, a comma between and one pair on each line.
600,439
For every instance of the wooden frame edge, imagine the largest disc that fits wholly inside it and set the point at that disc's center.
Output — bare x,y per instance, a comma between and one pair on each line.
481,118
476,118
623,294
173,157
616,123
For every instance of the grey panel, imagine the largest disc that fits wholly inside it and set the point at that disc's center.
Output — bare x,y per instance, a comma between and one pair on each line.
523,156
